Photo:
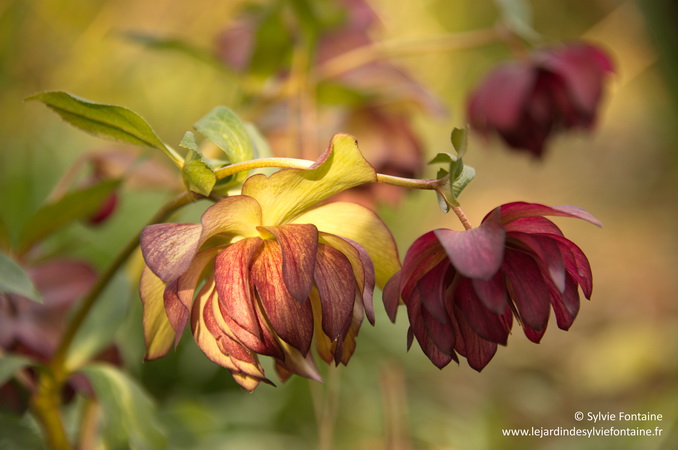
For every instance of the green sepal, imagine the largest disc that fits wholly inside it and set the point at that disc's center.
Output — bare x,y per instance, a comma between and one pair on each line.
225,129
197,174
15,280
106,121
73,206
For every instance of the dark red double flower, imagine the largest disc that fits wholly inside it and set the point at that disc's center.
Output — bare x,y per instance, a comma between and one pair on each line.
525,102
462,288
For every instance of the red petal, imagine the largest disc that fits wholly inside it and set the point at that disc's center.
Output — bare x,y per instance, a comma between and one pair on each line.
424,254
565,304
363,268
432,288
499,100
290,319
533,225
475,253
516,210
478,351
436,338
299,243
486,324
177,313
492,293
547,252
337,289
391,296
168,248
527,288
576,264
232,277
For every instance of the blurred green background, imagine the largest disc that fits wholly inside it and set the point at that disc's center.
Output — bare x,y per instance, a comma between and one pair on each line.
618,356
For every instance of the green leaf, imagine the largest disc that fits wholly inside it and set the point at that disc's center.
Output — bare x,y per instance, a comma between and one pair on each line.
467,174
223,127
459,140
15,280
105,121
197,174
72,206
130,416
10,364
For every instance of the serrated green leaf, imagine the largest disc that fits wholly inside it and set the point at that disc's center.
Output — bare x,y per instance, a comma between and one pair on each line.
13,279
72,206
459,138
463,180
10,364
130,416
106,121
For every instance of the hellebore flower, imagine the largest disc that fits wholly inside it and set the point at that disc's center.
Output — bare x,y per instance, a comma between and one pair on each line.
276,271
527,101
462,288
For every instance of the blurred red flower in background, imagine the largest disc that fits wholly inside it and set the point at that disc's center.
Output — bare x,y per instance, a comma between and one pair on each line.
527,101
462,288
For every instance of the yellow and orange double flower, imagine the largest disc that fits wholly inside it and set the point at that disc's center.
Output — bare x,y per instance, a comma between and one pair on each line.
274,270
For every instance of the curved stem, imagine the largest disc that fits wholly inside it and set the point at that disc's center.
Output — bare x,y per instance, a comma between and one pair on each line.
462,217
406,46
46,400
294,163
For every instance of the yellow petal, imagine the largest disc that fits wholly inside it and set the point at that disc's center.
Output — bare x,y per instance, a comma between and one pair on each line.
361,225
288,192
237,215
158,332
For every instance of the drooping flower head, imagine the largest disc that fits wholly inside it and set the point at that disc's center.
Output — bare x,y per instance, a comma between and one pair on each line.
274,270
527,101
463,288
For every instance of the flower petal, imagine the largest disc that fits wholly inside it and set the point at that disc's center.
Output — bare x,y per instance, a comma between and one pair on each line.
565,304
289,192
475,253
485,323
516,210
337,289
435,339
158,333
168,248
499,101
238,215
299,245
176,311
363,268
297,363
527,288
391,296
432,288
187,283
576,264
362,226
290,319
533,225
423,255
232,278
547,252
478,351
492,292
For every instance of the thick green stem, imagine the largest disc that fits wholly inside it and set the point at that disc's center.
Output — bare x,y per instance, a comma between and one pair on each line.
46,400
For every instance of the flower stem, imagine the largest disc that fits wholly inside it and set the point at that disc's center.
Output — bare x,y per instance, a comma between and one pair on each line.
407,46
462,217
293,163
46,400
